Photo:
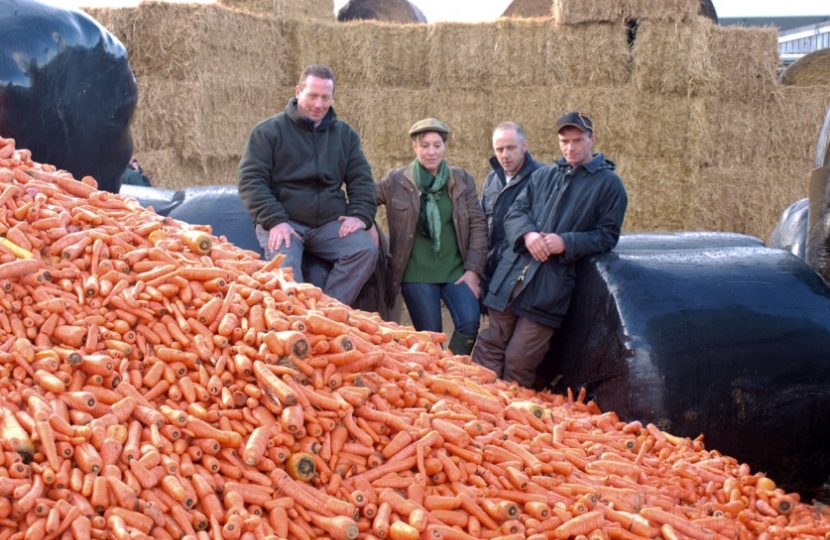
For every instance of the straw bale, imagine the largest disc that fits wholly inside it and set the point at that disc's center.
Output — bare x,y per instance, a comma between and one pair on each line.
200,120
263,7
521,51
566,12
738,132
589,55
811,70
382,117
192,41
167,169
361,52
793,122
462,56
744,60
536,109
529,8
779,131
305,9
659,195
119,21
469,115
745,198
661,10
674,58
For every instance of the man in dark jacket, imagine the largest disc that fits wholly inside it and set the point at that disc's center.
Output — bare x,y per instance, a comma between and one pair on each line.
290,178
568,210
512,166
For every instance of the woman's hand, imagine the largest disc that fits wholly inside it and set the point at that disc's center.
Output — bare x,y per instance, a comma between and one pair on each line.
472,280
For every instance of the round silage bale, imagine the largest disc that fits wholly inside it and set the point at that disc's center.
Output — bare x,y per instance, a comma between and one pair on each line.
810,70
729,342
791,231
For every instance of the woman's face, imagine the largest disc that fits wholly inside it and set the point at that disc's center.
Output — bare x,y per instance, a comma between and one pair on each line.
429,148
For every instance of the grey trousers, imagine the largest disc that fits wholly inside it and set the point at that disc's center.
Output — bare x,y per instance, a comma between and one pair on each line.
512,346
354,256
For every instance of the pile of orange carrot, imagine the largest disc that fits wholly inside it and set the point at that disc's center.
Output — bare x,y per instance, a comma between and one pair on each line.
157,386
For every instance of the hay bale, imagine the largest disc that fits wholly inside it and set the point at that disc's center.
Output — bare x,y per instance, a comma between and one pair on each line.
166,169
780,130
119,21
263,7
305,9
659,195
674,58
738,132
793,122
209,119
286,9
810,70
744,60
198,41
521,51
745,198
565,12
361,52
661,10
382,117
528,8
593,55
536,111
461,55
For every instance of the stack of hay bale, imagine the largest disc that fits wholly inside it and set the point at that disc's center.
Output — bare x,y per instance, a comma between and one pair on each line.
703,135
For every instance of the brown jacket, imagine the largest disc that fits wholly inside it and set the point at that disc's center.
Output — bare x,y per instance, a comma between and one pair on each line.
402,198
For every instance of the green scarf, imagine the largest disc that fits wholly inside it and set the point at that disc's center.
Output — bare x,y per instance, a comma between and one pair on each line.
429,221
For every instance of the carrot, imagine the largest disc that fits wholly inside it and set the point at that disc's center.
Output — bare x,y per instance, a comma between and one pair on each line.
338,527
680,524
583,524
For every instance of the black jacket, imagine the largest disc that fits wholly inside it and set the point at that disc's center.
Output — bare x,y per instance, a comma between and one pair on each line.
585,206
291,171
496,199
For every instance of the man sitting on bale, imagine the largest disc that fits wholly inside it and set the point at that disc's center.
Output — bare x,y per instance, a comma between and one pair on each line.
290,178
568,210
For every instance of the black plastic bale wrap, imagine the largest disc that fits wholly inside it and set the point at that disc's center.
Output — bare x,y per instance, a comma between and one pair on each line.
220,207
730,340
791,231
67,93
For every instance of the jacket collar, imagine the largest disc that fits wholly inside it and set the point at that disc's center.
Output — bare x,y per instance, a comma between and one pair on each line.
597,163
304,123
499,170
409,175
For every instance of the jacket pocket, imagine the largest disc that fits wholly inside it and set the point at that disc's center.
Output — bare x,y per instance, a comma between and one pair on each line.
549,292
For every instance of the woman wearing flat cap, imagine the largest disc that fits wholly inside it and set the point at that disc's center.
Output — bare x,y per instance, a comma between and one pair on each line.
437,237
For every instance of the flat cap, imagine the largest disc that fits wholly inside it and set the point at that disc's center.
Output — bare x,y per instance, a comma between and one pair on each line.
428,124
575,119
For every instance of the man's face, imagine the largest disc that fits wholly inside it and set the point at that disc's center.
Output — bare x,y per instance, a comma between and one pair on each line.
576,145
314,98
510,150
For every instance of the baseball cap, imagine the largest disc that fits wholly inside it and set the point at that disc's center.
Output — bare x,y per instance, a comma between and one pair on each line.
575,119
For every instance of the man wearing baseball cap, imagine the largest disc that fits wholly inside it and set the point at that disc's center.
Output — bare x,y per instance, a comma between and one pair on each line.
568,210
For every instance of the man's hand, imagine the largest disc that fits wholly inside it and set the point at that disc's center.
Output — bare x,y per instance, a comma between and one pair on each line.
536,245
349,225
279,234
554,243
373,233
472,280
